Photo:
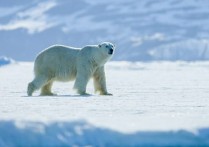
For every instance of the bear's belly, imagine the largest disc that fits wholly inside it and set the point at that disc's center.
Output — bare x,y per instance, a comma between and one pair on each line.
65,76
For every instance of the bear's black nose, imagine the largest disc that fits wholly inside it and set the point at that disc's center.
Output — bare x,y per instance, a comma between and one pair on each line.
110,51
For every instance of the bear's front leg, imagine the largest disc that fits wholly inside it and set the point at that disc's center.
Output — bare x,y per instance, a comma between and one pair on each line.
100,81
81,83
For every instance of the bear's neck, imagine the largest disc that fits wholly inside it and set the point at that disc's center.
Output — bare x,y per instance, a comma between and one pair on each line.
100,60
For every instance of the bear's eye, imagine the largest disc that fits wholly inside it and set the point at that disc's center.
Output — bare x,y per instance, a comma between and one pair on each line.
106,46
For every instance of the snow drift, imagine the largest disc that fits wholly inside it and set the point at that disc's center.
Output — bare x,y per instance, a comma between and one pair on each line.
5,61
189,50
81,133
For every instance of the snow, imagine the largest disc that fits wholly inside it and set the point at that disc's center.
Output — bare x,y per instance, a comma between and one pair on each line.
80,133
191,50
5,60
154,104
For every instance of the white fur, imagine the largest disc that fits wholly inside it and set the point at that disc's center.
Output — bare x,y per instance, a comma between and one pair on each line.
63,63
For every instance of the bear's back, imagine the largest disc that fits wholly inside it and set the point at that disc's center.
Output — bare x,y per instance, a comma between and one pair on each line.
56,59
57,52
60,50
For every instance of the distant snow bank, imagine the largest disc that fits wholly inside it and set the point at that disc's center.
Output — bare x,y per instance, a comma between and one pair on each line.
187,50
5,61
158,65
81,133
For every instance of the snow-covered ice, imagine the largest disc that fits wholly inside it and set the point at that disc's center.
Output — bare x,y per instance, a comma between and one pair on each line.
154,104
5,60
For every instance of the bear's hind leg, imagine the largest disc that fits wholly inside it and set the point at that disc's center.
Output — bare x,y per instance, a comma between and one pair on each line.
31,89
36,84
46,89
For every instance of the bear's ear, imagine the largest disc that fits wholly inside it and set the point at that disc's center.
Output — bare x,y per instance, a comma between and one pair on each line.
100,45
114,45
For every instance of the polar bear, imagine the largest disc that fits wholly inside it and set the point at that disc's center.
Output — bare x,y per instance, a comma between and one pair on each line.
64,63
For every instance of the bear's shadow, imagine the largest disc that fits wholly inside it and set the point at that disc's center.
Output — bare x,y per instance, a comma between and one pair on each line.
56,96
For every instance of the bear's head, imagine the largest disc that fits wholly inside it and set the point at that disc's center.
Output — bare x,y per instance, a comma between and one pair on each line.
107,48
98,53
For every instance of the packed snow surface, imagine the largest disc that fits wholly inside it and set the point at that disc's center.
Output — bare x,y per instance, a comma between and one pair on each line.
153,104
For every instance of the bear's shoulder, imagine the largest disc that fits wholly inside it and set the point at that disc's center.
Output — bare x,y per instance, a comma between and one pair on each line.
90,47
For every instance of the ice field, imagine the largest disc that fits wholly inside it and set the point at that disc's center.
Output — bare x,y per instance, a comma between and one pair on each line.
153,104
